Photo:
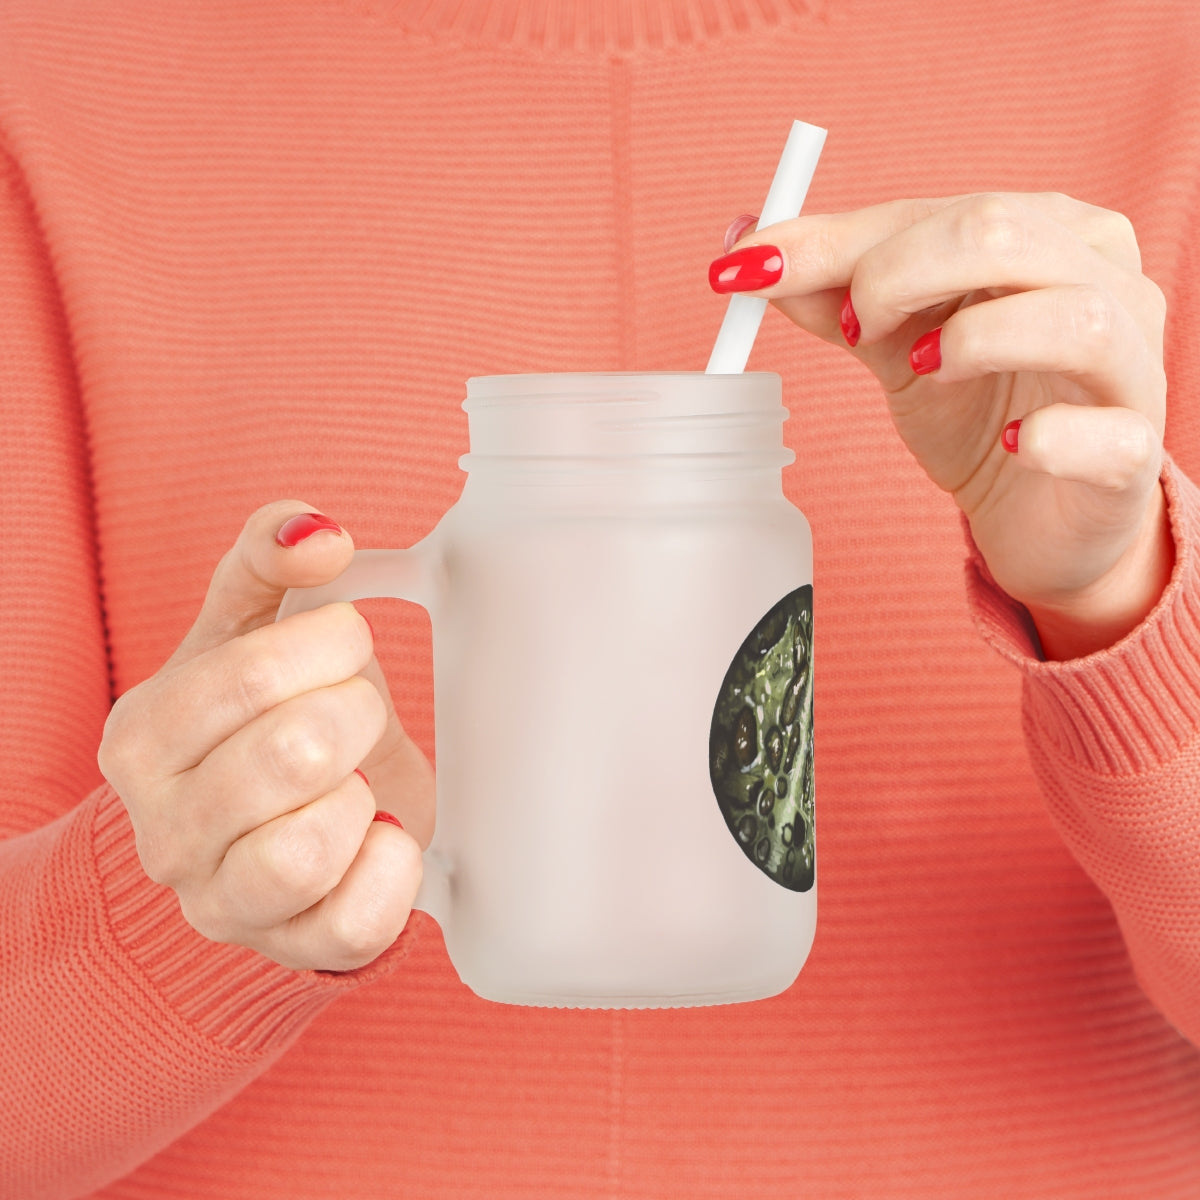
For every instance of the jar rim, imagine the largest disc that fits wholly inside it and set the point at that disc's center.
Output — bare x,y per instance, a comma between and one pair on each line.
572,385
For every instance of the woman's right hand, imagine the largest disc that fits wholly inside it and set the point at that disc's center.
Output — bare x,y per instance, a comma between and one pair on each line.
237,762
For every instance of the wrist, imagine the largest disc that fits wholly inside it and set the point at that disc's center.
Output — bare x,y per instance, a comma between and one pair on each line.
1113,606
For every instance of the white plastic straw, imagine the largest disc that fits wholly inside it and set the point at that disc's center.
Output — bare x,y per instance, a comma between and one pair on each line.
788,189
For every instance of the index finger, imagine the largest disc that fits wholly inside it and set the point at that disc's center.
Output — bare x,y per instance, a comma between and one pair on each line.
190,709
821,250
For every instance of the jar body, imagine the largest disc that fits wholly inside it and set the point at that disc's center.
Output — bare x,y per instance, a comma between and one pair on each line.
587,620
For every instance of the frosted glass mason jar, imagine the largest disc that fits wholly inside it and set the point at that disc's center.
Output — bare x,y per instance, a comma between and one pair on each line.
621,603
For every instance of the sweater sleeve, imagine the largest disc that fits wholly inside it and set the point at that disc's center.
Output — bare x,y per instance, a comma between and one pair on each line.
120,1027
1114,740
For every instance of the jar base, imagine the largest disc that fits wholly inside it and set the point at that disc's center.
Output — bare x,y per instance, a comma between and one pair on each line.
763,991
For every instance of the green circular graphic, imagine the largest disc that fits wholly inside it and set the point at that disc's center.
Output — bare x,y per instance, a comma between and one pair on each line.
760,746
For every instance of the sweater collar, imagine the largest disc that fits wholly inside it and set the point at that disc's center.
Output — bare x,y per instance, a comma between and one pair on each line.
616,26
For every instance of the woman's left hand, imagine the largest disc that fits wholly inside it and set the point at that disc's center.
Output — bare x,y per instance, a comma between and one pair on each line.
978,312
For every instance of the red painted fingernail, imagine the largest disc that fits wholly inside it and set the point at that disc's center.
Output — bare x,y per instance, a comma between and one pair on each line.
851,330
362,777
746,270
737,227
1009,436
295,529
926,353
380,815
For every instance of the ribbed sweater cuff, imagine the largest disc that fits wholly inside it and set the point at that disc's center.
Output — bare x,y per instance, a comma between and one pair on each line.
1130,707
232,996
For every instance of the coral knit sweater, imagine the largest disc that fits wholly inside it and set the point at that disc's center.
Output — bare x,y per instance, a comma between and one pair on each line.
253,250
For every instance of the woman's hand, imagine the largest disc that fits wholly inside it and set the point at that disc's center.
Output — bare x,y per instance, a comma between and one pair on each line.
237,762
979,312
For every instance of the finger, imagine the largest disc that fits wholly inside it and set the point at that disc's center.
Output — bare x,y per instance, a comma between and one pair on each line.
819,313
1107,232
363,915
288,864
737,229
821,251
399,772
250,580
1113,450
1074,331
982,243
183,714
278,763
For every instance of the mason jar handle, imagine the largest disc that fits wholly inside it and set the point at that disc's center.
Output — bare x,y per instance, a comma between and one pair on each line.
395,574
401,575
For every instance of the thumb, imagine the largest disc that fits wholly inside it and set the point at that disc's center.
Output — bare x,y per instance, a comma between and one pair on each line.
286,544
289,544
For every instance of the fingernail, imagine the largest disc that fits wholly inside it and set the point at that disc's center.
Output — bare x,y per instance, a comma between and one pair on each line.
362,777
737,227
926,353
1009,436
851,330
295,529
746,270
380,815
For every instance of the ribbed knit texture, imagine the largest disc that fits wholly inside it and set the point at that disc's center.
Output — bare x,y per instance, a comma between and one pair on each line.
252,251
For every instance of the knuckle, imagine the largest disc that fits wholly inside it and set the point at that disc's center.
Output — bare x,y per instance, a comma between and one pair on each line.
1156,300
878,285
297,859
1126,450
160,857
1090,318
1141,446
298,751
917,208
994,226
1112,234
121,751
112,753
258,679
209,918
816,255
360,934
1117,229
1117,476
